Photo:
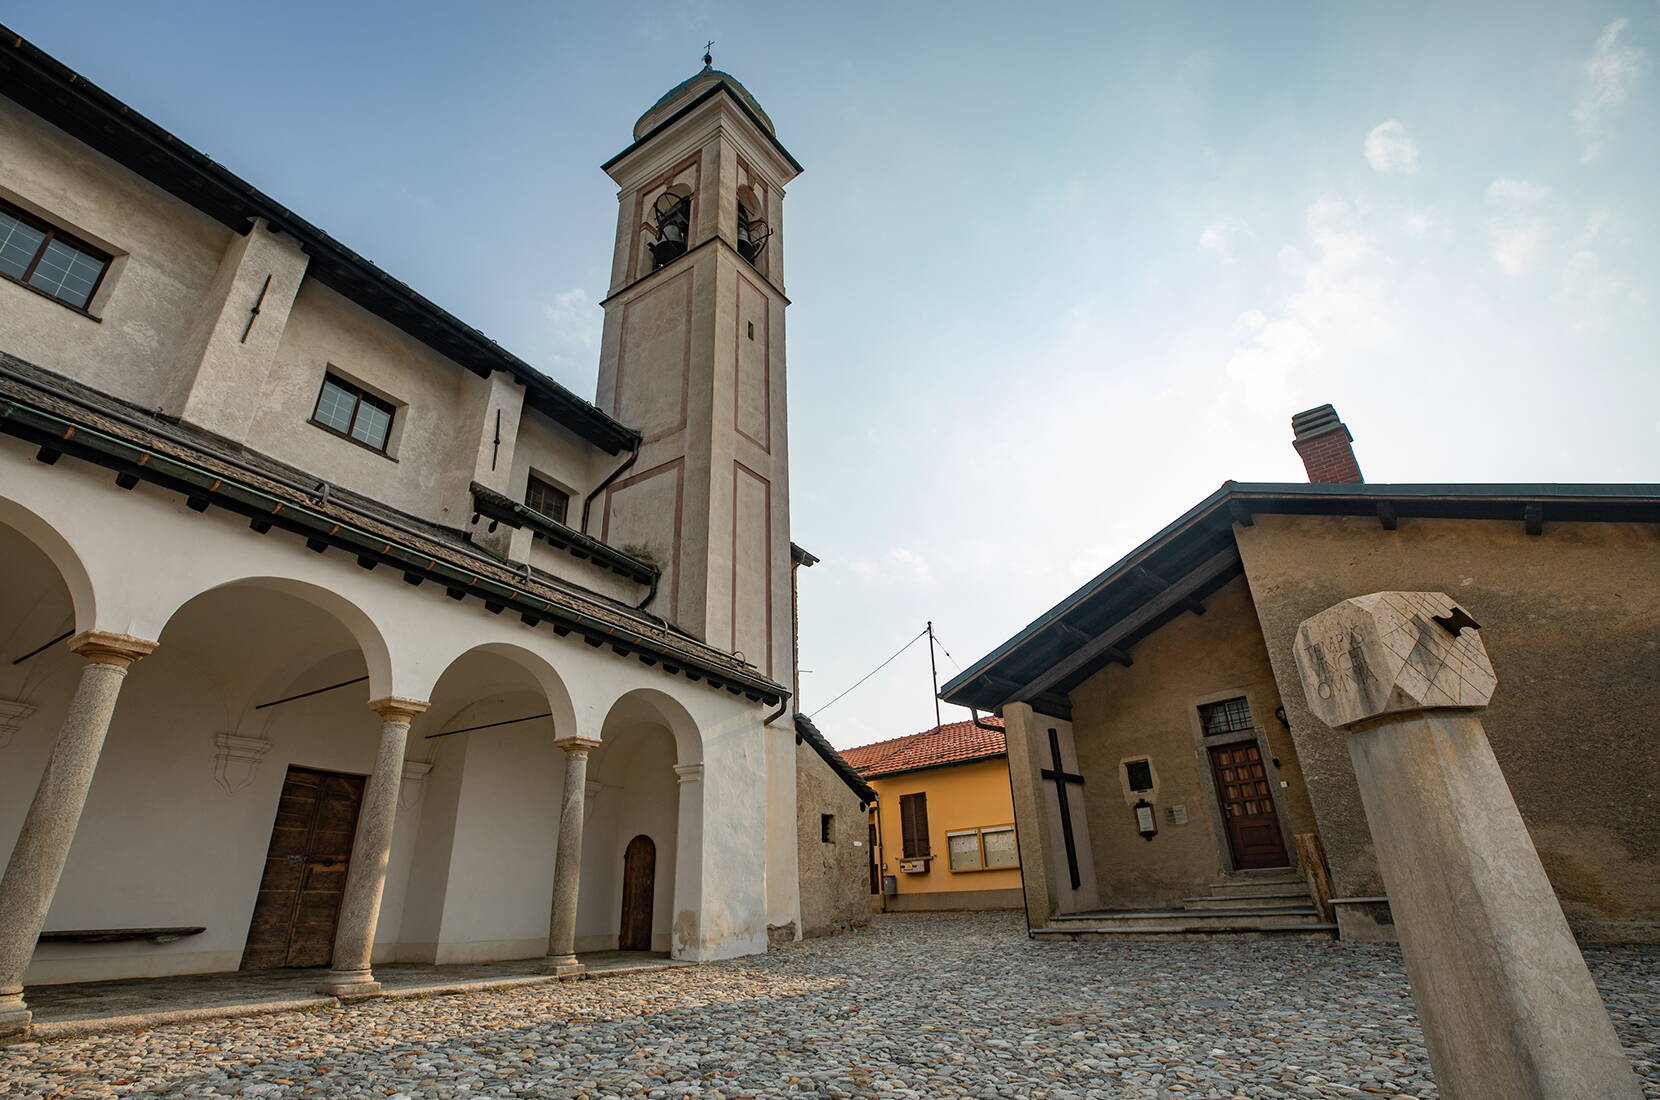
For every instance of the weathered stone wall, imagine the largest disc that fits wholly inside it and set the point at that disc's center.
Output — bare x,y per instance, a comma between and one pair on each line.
835,877
1571,620
1151,710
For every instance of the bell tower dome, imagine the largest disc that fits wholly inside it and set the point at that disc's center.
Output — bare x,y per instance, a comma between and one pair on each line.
693,356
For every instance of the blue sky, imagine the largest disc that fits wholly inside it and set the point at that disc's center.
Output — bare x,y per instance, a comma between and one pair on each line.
1058,270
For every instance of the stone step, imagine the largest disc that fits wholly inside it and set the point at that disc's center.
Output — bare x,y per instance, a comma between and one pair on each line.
1247,919
1298,898
1254,889
1158,933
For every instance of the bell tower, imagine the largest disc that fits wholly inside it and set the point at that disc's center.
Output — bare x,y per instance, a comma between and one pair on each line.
693,357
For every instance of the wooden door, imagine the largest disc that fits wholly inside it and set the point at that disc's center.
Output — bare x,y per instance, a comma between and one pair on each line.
305,871
639,878
1248,806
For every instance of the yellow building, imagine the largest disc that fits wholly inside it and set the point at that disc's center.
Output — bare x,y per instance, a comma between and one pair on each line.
942,829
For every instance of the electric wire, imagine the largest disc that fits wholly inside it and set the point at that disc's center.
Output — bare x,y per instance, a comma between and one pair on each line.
919,636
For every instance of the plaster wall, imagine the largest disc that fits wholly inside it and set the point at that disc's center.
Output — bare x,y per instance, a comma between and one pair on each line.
1149,711
499,882
974,795
834,874
431,453
136,342
1571,619
633,791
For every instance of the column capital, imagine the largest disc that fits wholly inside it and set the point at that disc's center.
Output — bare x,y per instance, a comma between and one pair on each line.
578,746
689,773
104,647
394,709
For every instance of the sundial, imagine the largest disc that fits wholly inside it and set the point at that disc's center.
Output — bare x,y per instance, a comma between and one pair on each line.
1390,652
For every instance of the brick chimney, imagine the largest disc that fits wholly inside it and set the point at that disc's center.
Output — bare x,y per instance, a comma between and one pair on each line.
1325,444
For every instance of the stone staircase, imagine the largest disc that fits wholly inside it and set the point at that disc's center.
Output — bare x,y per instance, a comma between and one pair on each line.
1249,905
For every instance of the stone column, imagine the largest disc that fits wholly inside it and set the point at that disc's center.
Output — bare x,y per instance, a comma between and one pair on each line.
42,846
354,934
1507,1006
567,868
686,936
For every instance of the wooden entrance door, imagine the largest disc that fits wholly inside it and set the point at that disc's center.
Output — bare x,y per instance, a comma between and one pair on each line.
1248,806
305,871
639,878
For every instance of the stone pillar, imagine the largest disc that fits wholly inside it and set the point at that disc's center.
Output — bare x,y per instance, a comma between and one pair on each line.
42,846
354,935
686,935
567,868
1507,1006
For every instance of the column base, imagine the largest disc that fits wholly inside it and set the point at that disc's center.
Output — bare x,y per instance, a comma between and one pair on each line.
563,966
15,1018
350,984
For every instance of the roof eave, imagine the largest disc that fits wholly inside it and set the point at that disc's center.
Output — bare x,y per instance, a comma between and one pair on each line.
233,202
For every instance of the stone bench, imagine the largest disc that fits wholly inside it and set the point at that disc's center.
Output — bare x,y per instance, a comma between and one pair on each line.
121,935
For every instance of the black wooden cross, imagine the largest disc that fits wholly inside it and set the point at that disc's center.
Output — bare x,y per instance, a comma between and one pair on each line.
1061,777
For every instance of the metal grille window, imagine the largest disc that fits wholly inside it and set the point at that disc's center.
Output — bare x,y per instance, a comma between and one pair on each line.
552,502
40,255
346,410
1228,716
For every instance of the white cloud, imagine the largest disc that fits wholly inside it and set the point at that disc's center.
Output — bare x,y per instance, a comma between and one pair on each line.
1507,190
1611,72
1223,235
899,565
1339,306
1519,224
1389,148
574,318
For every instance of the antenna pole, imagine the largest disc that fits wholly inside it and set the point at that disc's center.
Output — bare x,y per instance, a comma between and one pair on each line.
934,668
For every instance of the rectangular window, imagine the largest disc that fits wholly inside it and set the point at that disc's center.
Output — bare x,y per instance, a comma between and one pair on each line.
913,826
38,254
1000,847
344,409
1228,716
543,497
982,849
965,850
1140,775
827,828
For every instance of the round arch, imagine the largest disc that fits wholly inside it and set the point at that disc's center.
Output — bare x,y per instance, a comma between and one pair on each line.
552,684
82,595
667,711
371,640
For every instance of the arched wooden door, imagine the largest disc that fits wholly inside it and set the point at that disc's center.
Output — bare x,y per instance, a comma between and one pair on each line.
639,876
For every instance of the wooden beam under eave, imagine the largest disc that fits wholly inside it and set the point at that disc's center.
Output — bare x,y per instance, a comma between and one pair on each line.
1386,515
1533,519
1180,591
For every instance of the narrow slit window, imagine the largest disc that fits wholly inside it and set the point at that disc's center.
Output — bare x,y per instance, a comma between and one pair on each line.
348,411
38,254
827,828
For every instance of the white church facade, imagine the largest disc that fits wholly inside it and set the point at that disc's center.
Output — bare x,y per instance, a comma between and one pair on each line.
335,634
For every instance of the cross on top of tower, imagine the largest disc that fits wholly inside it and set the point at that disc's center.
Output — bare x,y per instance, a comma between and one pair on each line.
708,57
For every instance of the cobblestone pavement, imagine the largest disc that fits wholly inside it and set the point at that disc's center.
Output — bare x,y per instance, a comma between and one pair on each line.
926,1006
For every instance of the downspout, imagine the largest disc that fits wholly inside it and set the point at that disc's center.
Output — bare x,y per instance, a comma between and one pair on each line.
588,501
652,595
980,723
